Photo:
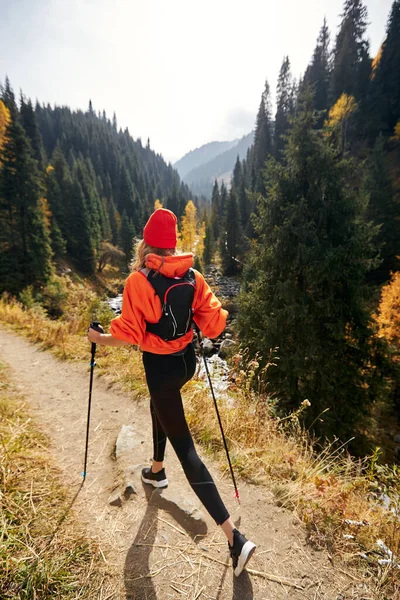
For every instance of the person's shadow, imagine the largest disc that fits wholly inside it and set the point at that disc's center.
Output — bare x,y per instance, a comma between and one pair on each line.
137,562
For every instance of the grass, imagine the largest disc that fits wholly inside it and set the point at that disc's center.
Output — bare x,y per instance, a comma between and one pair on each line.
325,488
43,552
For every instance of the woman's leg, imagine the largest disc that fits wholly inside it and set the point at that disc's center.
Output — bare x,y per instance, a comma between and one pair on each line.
165,376
159,441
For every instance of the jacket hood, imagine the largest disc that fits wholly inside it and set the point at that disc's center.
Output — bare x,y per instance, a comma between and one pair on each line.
170,266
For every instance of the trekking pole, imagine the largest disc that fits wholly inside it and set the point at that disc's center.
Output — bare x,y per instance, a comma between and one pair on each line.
94,325
218,415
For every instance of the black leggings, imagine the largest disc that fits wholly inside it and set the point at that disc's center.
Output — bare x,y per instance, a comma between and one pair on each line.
165,375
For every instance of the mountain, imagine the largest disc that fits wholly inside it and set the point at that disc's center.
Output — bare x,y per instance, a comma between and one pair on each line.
201,156
218,166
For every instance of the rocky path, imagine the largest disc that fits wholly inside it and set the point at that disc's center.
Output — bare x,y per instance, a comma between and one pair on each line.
161,545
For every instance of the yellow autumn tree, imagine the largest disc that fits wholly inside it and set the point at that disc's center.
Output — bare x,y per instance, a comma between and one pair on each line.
188,229
157,204
397,132
376,62
200,239
388,317
339,118
4,121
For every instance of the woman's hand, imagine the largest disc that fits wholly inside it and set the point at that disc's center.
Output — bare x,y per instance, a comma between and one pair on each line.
105,339
94,336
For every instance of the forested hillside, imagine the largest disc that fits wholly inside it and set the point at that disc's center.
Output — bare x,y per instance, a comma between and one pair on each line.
69,183
312,225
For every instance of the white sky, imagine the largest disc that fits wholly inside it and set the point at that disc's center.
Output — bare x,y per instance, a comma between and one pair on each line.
181,72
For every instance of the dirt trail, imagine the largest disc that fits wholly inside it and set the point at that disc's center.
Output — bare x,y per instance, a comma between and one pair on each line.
151,533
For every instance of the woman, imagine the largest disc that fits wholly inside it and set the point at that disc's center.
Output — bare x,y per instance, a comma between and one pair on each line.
170,364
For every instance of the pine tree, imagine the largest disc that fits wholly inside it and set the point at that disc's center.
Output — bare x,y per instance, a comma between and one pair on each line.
114,221
29,123
318,73
304,287
215,210
262,148
384,211
84,174
237,173
126,235
351,62
25,252
209,248
80,243
55,202
386,79
231,239
223,199
59,186
285,101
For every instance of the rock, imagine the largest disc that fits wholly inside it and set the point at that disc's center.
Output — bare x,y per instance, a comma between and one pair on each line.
115,499
133,481
226,347
208,347
396,438
185,509
129,491
128,439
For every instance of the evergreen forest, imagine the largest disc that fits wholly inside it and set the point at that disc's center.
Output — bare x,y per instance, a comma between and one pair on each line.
310,223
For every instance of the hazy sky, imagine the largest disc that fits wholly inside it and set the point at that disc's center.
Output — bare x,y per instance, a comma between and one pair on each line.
180,72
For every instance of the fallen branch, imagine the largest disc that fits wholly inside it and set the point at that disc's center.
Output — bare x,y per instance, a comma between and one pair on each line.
269,576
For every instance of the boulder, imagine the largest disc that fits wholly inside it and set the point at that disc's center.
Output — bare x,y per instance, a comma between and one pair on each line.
208,347
184,508
226,347
128,439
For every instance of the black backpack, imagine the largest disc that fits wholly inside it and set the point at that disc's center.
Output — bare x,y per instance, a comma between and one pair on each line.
176,295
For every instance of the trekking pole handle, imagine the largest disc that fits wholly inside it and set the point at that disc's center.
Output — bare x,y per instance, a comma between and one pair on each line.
97,327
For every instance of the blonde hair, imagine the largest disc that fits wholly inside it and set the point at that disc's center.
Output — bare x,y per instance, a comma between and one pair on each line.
142,250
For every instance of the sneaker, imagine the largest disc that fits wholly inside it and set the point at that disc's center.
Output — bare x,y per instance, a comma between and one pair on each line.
241,551
157,480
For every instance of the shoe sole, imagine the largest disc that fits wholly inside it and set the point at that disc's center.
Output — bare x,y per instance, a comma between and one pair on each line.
157,484
244,557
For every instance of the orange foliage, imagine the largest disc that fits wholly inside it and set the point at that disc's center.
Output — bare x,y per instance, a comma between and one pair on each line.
341,111
46,211
4,120
388,317
397,131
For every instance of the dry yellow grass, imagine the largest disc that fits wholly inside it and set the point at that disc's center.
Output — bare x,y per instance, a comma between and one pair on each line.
43,550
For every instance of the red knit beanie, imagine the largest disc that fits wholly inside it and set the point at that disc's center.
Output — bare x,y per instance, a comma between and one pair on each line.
160,229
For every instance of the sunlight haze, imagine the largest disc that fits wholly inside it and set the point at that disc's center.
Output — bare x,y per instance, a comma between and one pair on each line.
180,73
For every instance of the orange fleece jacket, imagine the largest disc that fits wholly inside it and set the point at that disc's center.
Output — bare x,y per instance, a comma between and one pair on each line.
140,303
